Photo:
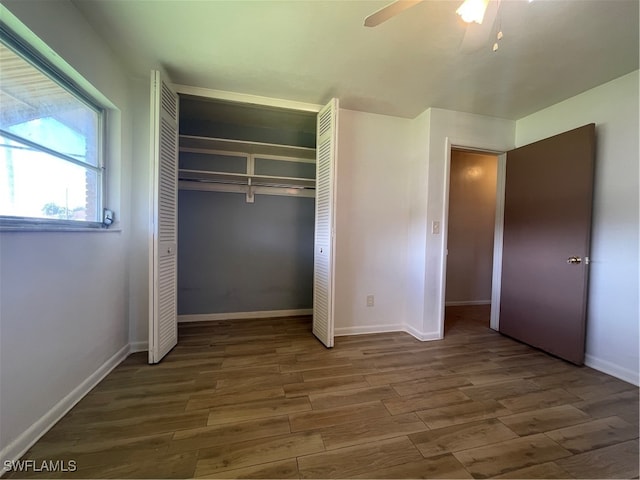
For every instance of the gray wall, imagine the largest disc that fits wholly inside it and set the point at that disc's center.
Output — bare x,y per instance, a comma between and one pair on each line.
235,256
241,121
276,134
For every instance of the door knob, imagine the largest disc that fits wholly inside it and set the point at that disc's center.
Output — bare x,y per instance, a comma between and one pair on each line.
574,260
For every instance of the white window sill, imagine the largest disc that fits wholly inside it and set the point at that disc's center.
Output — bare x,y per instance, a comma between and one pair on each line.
59,229
48,227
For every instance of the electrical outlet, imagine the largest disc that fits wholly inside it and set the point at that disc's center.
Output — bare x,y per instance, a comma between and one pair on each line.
370,300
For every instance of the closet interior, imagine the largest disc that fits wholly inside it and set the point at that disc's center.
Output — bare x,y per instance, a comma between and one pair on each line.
246,208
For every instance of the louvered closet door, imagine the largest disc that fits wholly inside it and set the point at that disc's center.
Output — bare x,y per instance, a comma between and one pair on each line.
323,269
163,332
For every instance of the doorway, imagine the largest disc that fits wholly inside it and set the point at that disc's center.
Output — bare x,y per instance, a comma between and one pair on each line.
471,225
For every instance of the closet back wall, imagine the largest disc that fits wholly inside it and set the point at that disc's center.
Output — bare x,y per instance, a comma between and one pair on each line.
235,256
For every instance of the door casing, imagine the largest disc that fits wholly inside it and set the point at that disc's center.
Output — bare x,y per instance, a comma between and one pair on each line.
497,235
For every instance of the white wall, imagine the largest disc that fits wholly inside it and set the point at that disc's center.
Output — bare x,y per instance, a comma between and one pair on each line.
612,316
372,218
417,229
391,178
64,296
448,128
141,233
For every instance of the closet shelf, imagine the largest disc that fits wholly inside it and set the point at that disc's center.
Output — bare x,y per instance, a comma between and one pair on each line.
205,144
245,179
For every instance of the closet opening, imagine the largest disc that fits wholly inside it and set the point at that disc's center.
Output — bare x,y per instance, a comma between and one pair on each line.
246,210
471,226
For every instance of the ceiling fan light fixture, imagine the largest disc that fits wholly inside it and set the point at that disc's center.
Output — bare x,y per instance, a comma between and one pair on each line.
472,10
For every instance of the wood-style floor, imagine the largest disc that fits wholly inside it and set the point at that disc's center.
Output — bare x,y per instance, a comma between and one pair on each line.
263,399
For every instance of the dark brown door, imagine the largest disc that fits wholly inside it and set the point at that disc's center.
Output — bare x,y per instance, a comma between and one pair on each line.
547,225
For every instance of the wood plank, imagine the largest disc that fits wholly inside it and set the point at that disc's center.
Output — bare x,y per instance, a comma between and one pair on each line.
413,387
542,369
474,366
102,451
240,455
543,470
331,372
336,416
281,469
484,377
538,421
461,437
326,362
538,400
121,409
349,397
241,349
131,427
460,359
220,398
242,384
462,413
570,378
498,391
443,466
247,372
414,403
525,360
595,434
160,387
325,385
404,375
370,430
249,360
616,461
624,405
180,465
179,364
351,461
508,349
204,437
258,409
500,458
398,360
609,387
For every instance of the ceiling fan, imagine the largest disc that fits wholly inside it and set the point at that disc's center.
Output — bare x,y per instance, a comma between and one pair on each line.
480,16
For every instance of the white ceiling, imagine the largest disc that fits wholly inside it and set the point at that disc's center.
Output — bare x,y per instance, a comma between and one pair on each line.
312,50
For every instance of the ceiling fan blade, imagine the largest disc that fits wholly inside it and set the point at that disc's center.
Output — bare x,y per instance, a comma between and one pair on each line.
479,36
391,10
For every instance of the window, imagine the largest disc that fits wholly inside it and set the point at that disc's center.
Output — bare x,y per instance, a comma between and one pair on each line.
51,167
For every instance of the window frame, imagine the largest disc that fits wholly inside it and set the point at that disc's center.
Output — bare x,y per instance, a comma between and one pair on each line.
31,55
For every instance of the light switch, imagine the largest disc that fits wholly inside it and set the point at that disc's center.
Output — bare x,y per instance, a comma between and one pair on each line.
435,227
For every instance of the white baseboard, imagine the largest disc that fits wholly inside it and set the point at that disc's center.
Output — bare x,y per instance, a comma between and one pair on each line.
612,369
463,303
422,336
20,445
368,329
135,347
207,317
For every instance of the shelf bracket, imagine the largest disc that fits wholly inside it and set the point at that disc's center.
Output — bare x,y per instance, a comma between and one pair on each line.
250,196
